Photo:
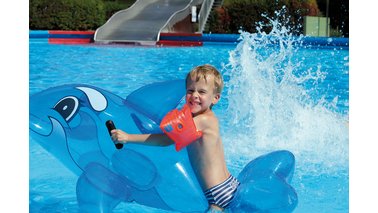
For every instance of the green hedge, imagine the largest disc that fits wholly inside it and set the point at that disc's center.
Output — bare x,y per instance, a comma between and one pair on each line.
66,14
245,14
72,14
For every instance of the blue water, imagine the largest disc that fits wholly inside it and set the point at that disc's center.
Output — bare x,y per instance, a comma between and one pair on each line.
276,97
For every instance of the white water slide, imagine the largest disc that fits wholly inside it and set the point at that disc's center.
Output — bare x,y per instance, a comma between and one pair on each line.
144,20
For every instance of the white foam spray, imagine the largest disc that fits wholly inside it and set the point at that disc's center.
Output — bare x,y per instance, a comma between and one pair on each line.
270,109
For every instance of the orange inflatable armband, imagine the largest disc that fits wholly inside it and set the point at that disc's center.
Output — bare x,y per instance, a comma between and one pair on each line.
180,127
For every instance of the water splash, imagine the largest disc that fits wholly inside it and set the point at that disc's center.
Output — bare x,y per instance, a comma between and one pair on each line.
269,106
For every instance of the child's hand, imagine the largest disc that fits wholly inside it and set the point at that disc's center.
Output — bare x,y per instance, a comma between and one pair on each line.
119,136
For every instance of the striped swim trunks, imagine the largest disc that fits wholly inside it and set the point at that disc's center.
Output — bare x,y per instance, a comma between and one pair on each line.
222,194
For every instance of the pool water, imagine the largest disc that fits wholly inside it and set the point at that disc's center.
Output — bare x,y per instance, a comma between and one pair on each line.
284,96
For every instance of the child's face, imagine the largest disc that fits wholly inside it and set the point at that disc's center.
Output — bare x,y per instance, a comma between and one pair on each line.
201,95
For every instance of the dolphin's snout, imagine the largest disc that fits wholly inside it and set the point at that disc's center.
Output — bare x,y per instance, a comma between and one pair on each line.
40,126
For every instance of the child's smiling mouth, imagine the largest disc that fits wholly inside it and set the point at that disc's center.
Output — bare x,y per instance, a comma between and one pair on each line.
195,103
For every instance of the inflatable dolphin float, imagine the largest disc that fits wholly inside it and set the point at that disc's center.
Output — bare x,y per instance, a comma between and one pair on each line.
69,122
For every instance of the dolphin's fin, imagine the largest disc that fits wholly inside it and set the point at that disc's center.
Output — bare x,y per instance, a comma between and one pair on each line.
100,190
162,97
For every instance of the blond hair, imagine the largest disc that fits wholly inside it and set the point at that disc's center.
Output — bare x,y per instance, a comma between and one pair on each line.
202,71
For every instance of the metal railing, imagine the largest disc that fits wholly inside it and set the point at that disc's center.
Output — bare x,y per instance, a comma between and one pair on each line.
204,14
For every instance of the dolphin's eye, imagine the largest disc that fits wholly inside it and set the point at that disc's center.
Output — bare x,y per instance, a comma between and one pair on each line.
67,107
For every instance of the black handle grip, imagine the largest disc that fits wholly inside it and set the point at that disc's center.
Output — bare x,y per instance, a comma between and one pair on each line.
110,125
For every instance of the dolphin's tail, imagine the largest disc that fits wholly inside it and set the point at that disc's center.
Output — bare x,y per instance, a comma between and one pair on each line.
265,185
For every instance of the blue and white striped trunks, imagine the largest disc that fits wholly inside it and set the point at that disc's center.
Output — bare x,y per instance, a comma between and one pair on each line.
222,194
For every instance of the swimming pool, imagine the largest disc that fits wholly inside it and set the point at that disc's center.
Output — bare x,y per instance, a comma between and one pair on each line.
276,97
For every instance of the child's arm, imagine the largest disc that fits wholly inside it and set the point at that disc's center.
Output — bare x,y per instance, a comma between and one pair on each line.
146,139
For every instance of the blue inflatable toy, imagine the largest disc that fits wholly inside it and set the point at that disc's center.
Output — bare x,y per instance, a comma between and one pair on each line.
69,121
